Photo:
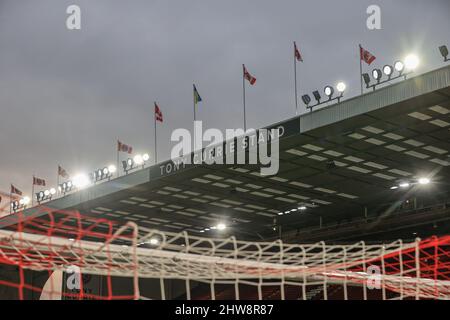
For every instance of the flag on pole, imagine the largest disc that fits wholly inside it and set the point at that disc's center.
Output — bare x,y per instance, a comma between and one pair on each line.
197,97
297,54
366,56
14,190
158,114
123,147
249,77
63,173
38,182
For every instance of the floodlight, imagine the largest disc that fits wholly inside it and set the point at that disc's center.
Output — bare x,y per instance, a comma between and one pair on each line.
329,91
376,73
404,185
154,241
112,168
145,157
221,226
388,70
46,193
81,181
399,66
411,62
26,201
138,159
306,99
317,96
280,213
341,86
301,208
52,191
444,52
366,79
424,181
394,187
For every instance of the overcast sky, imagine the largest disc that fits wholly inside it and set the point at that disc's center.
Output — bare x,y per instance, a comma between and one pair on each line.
66,96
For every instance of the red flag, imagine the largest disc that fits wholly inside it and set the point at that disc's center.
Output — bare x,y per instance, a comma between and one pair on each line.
123,147
366,56
38,182
248,76
297,54
158,114
63,173
14,190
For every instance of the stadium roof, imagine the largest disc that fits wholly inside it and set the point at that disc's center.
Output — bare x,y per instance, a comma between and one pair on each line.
339,161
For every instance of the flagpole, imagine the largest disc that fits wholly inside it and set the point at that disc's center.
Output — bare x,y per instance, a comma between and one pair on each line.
32,193
10,198
57,180
295,82
243,95
156,148
117,150
193,97
360,69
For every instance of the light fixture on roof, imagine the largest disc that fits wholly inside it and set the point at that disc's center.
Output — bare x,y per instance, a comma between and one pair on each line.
328,91
444,52
65,187
317,96
376,74
306,100
302,208
154,241
103,174
20,204
388,70
81,181
138,160
399,67
411,62
45,195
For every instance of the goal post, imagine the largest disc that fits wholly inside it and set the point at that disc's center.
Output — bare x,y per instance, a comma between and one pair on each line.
117,261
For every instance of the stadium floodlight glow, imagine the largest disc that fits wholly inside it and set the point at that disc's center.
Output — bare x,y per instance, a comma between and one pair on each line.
306,99
154,241
221,226
411,62
81,181
444,52
376,74
329,91
399,67
388,70
138,159
145,157
112,168
341,86
301,208
423,181
404,184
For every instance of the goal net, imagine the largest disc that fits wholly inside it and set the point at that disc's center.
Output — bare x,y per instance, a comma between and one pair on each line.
63,255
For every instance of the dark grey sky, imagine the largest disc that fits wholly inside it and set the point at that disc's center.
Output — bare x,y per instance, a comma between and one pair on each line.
66,96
